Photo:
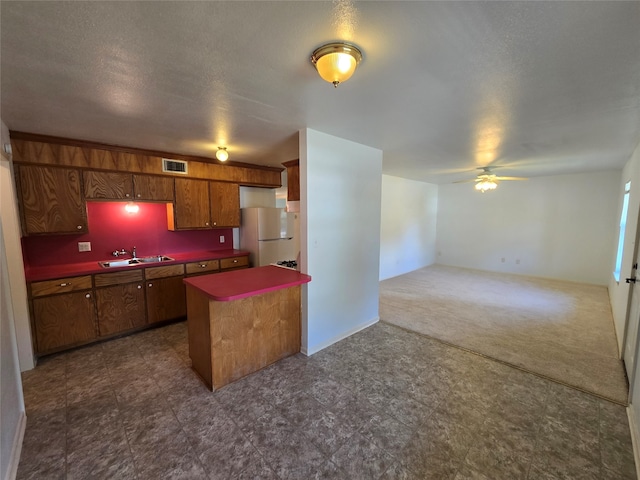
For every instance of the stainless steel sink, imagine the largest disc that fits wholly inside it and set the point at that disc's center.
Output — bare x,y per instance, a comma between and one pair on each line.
135,261
155,259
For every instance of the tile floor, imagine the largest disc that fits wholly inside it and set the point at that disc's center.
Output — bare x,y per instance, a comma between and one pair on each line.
382,404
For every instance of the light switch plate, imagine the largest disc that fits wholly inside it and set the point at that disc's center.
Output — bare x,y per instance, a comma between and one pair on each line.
221,238
84,246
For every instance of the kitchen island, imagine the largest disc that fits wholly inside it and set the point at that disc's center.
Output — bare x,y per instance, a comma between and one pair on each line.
241,321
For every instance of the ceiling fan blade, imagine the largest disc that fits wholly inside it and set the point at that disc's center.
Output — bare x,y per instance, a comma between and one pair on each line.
511,178
467,181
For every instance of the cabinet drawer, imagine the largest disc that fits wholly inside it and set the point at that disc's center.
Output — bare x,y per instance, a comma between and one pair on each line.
115,278
60,285
162,272
235,262
204,266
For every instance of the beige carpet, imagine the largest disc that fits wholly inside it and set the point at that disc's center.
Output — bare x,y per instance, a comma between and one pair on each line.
561,330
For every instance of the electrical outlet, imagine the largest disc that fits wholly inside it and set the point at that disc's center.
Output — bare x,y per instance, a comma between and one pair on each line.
84,246
502,259
517,261
221,238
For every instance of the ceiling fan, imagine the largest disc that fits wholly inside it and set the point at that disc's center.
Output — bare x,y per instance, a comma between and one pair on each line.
487,180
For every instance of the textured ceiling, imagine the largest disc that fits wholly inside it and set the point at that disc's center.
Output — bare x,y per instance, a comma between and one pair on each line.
538,88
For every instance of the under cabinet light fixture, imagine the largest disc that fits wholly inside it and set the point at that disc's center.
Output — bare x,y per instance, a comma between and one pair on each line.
132,207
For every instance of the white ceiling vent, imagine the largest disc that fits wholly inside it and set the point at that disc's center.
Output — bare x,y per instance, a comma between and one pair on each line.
174,166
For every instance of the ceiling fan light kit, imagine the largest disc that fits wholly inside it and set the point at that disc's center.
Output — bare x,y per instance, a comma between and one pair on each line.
486,185
336,62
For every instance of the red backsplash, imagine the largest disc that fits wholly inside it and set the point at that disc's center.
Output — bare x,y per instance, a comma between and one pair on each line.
112,228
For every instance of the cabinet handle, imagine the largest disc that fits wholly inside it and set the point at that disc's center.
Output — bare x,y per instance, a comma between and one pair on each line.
151,285
215,223
235,261
65,284
203,265
88,295
206,223
127,195
79,227
139,287
139,195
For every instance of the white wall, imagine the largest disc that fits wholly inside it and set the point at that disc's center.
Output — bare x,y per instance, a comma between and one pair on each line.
340,188
559,227
12,411
11,235
408,226
619,292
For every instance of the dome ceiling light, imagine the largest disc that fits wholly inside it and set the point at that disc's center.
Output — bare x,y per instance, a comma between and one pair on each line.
336,62
222,154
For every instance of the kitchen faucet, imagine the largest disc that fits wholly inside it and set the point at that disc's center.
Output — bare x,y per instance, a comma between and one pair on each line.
122,251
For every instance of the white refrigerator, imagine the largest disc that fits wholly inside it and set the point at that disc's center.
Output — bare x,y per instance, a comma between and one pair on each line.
269,234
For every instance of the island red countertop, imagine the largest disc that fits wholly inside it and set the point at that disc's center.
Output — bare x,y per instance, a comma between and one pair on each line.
238,284
86,268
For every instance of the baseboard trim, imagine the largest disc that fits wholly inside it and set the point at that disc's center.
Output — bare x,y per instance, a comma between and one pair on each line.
635,438
337,338
16,449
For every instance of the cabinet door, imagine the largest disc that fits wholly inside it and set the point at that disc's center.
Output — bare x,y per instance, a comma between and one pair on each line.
108,185
166,299
64,320
51,200
192,204
293,180
148,187
225,204
120,308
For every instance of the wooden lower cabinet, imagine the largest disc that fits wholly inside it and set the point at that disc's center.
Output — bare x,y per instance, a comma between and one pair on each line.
73,311
166,299
63,321
120,308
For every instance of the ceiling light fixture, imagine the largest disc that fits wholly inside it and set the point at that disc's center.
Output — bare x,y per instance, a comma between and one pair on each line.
222,154
336,62
486,184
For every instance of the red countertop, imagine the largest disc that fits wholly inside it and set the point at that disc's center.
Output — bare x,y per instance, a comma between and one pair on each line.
87,268
237,284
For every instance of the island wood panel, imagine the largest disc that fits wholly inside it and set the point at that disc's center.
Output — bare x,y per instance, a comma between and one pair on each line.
51,200
245,335
199,334
120,308
74,153
63,321
166,299
107,185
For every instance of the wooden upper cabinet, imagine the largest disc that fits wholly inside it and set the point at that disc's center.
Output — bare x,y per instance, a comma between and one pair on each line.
108,185
148,187
293,180
51,200
225,204
191,205
125,186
